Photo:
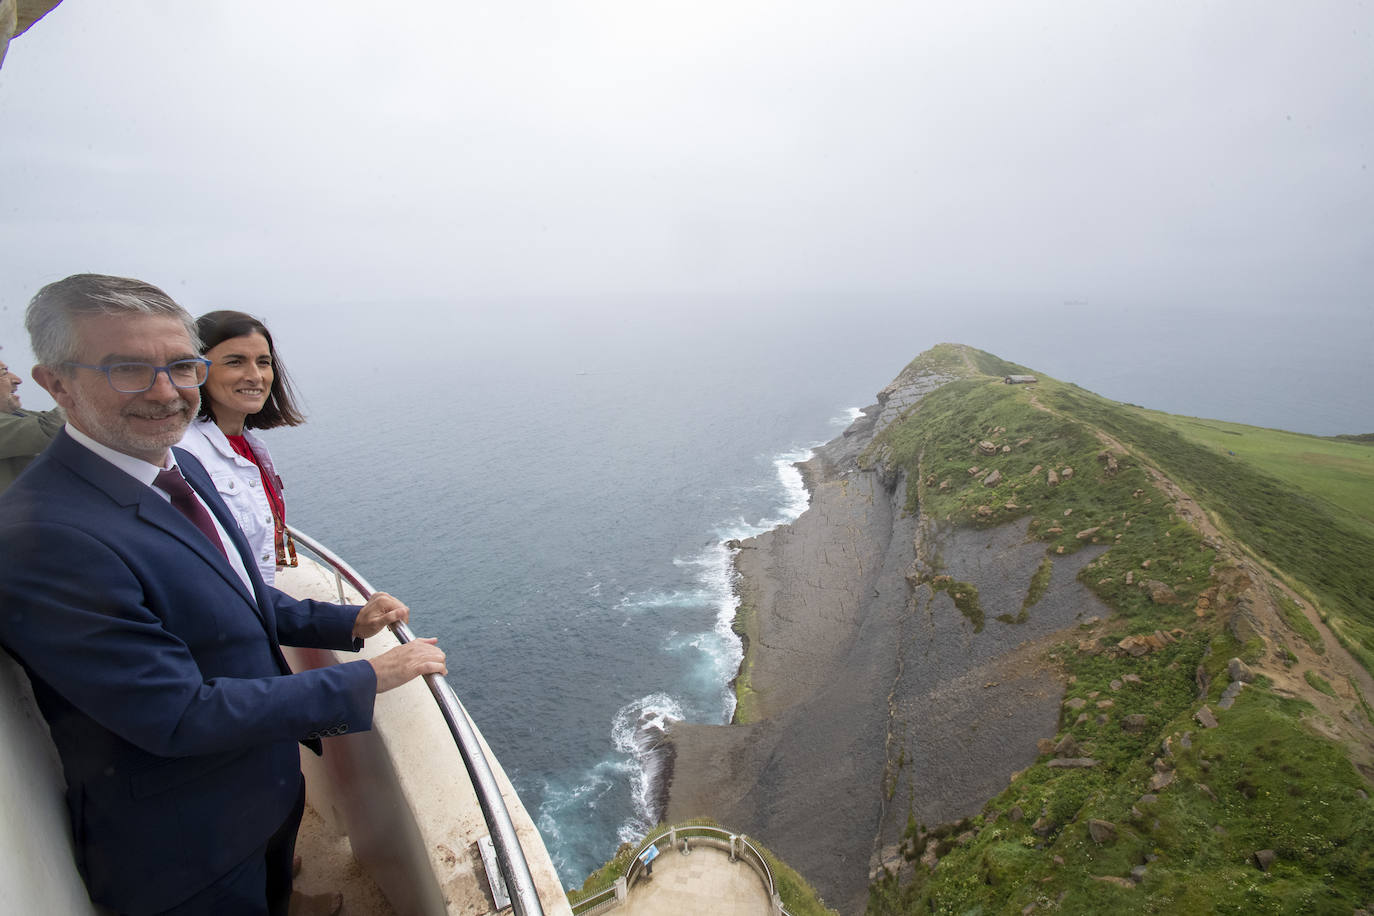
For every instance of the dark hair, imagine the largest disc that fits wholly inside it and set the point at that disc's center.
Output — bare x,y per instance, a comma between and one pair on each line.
280,409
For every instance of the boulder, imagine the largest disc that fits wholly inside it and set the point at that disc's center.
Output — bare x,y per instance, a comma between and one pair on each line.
1161,780
1053,478
1101,831
985,511
987,448
1135,722
1206,717
1066,473
1239,671
1072,763
992,479
1264,858
1134,645
1088,532
1160,593
1067,747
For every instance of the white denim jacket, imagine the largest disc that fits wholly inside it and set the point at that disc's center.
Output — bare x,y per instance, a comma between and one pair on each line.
239,485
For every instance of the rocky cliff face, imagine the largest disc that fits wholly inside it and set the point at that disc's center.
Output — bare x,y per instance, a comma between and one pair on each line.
879,684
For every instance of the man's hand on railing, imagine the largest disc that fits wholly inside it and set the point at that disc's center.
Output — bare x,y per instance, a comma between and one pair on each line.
416,658
380,612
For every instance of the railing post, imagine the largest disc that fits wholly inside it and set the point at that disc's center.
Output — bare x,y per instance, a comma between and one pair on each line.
777,905
621,891
734,847
672,837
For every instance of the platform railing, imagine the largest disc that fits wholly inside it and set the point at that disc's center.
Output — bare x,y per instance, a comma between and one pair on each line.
681,839
510,856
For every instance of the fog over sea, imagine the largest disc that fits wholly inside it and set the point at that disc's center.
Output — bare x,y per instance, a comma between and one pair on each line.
550,494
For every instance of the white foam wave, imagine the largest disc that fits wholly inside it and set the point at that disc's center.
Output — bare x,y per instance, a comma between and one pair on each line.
637,731
677,598
849,416
568,804
798,498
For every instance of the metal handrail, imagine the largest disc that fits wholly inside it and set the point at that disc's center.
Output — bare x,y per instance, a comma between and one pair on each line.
686,831
515,870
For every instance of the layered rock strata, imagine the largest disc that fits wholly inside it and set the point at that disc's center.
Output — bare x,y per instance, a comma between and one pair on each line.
873,697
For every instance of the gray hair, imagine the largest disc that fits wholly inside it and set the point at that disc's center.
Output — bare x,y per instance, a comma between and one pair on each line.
51,317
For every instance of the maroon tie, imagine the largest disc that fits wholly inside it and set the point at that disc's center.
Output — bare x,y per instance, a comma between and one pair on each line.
184,501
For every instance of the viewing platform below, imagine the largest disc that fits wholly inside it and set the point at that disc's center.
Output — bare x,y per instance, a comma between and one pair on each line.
703,881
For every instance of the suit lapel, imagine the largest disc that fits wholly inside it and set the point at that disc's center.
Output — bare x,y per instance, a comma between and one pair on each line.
195,475
200,481
154,510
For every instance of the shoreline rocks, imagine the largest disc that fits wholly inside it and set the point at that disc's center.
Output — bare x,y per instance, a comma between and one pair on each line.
874,698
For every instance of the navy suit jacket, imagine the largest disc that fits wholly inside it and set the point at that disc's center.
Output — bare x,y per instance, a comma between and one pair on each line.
160,676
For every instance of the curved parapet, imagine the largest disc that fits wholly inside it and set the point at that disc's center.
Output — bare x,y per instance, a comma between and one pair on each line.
37,869
401,792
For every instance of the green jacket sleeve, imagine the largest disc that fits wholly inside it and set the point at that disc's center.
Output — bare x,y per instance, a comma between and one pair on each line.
22,437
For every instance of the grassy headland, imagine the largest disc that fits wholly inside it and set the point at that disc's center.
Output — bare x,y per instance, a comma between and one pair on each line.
1264,812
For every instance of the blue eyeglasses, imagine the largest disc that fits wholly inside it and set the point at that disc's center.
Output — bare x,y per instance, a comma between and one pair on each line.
131,378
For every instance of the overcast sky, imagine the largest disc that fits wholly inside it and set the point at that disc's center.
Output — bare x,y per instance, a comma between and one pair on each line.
1195,154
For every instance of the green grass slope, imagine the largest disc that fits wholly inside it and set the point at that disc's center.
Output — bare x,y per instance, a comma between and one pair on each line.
1314,527
1170,815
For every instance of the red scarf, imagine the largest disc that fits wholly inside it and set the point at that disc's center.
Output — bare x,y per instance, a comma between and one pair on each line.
271,485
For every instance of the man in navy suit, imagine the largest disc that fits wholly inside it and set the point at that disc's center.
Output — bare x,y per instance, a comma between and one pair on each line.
149,636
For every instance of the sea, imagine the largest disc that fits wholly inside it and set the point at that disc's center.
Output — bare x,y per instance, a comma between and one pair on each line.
550,485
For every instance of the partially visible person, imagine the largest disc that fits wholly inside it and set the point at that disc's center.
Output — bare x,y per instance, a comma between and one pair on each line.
247,389
23,433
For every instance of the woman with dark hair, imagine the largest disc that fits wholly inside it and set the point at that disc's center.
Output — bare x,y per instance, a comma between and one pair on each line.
247,389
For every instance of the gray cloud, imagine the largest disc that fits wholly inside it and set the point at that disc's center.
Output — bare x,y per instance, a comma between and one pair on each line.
1209,154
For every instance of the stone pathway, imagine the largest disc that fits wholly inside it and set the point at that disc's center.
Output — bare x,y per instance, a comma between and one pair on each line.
704,882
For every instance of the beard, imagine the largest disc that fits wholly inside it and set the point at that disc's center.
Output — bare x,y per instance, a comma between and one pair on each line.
117,432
